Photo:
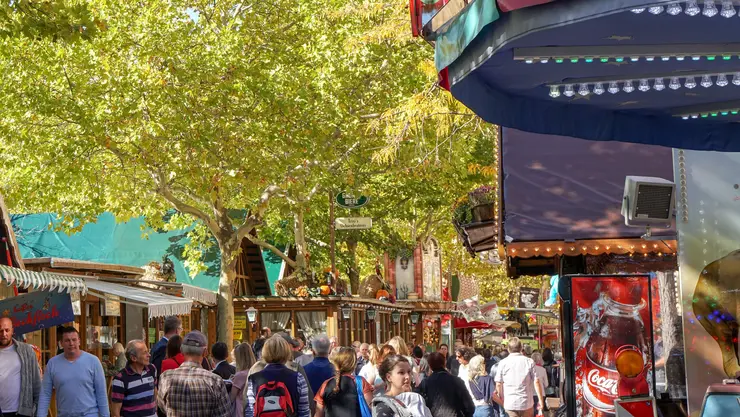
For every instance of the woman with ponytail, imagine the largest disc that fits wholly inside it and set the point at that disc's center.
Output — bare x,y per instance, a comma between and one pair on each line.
340,396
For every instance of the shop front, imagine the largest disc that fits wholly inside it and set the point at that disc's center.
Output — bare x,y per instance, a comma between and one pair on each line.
347,318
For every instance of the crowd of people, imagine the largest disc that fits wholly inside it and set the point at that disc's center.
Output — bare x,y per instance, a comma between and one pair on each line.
274,377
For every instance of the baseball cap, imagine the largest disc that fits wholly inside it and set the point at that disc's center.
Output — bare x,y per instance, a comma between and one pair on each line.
287,338
195,338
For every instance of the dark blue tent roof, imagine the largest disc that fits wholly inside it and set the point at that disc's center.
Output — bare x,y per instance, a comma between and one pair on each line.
590,42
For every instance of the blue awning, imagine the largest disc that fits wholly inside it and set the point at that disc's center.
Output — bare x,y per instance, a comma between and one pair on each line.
501,75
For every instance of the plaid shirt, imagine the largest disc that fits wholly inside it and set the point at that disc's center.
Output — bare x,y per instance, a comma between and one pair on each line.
191,391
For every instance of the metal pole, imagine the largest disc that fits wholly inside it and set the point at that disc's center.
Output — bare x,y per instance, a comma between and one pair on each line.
332,239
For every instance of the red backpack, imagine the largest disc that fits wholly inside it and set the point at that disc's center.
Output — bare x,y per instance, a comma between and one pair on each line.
273,400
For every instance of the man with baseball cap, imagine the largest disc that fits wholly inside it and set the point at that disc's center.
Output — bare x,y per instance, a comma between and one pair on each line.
260,365
191,390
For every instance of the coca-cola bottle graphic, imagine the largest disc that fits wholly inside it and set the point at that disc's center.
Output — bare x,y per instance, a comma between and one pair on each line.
611,322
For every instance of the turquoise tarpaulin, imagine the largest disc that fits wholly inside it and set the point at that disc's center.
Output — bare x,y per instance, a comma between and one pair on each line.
110,242
450,44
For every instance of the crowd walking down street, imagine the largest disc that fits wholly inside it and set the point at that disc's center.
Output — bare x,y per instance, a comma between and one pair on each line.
176,379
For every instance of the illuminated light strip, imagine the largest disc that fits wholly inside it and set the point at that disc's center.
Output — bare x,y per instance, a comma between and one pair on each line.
586,86
622,53
691,8
705,111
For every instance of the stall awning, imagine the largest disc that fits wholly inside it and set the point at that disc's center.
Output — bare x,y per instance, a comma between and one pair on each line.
159,305
42,280
199,294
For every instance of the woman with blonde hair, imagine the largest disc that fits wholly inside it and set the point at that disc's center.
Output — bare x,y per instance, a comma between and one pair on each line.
276,353
370,370
481,387
340,396
402,349
244,357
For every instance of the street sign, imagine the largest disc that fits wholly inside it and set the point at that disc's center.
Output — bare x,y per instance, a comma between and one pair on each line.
351,201
353,223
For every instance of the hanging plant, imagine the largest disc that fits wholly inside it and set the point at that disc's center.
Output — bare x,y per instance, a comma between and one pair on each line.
484,194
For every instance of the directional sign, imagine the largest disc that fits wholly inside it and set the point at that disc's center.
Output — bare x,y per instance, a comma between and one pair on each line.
351,201
353,223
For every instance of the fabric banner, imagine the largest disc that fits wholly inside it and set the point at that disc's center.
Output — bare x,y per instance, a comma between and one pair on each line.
37,310
708,222
462,31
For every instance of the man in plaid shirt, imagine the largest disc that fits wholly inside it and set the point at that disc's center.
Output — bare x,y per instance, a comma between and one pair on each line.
190,390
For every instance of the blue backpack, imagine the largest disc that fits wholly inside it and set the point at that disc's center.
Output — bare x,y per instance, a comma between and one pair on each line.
364,407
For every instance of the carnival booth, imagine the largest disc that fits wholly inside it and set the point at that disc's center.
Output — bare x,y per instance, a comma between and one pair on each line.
656,73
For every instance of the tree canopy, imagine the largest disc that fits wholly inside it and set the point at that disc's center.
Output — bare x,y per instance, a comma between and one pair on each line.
239,115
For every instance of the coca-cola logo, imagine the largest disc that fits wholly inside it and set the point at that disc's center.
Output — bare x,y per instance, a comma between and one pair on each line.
604,384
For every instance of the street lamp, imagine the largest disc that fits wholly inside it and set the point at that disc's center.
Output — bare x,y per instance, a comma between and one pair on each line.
252,317
346,311
370,312
414,316
396,316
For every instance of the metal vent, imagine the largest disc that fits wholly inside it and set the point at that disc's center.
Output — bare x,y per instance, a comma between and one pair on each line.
653,202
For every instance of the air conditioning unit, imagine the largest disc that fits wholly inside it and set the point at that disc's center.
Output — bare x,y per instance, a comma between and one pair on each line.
648,202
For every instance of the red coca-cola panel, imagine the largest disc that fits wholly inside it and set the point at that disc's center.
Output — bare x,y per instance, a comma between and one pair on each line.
609,312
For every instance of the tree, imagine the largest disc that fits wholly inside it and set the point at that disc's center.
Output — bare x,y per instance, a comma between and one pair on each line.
208,108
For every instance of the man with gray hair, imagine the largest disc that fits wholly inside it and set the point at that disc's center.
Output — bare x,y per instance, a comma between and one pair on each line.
320,369
190,390
515,378
132,389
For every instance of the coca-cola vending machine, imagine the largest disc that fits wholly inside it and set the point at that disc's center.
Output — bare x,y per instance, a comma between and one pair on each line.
600,314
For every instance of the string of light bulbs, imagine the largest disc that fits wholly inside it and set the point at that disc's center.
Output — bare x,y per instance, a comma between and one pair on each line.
674,82
692,8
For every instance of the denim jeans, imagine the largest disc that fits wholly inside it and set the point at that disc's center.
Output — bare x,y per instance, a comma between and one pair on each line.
483,411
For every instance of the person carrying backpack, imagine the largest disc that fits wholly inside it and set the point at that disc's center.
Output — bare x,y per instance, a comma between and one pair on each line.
345,395
398,401
277,391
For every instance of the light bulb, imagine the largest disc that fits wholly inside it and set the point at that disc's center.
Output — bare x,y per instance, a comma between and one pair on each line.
613,87
568,92
634,58
554,91
583,90
675,83
656,9
644,86
628,87
736,78
692,8
722,80
706,81
728,9
710,9
658,84
649,58
680,58
529,60
638,10
665,58
544,60
598,89
673,9
690,83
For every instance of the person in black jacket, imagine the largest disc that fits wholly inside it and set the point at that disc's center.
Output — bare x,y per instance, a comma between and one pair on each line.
172,327
220,353
453,365
445,394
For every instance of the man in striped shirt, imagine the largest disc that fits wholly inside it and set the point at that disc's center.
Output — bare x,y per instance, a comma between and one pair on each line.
133,389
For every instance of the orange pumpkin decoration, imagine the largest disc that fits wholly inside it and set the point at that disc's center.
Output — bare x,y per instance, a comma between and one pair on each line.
325,290
382,293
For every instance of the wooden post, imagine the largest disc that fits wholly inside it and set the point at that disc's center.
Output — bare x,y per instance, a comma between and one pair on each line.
332,238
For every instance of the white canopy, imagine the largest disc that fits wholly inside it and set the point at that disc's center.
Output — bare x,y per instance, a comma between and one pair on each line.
159,305
42,280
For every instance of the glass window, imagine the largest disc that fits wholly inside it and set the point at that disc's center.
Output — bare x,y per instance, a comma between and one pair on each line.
311,322
721,405
277,321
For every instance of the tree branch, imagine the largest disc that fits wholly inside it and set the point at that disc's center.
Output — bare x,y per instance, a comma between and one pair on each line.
276,251
165,191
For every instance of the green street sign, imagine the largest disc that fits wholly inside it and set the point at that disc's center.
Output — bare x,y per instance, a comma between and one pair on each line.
350,201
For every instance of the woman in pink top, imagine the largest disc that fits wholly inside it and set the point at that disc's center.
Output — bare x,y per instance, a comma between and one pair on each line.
244,357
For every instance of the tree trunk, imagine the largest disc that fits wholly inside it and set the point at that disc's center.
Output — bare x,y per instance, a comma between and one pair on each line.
226,299
300,241
353,271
